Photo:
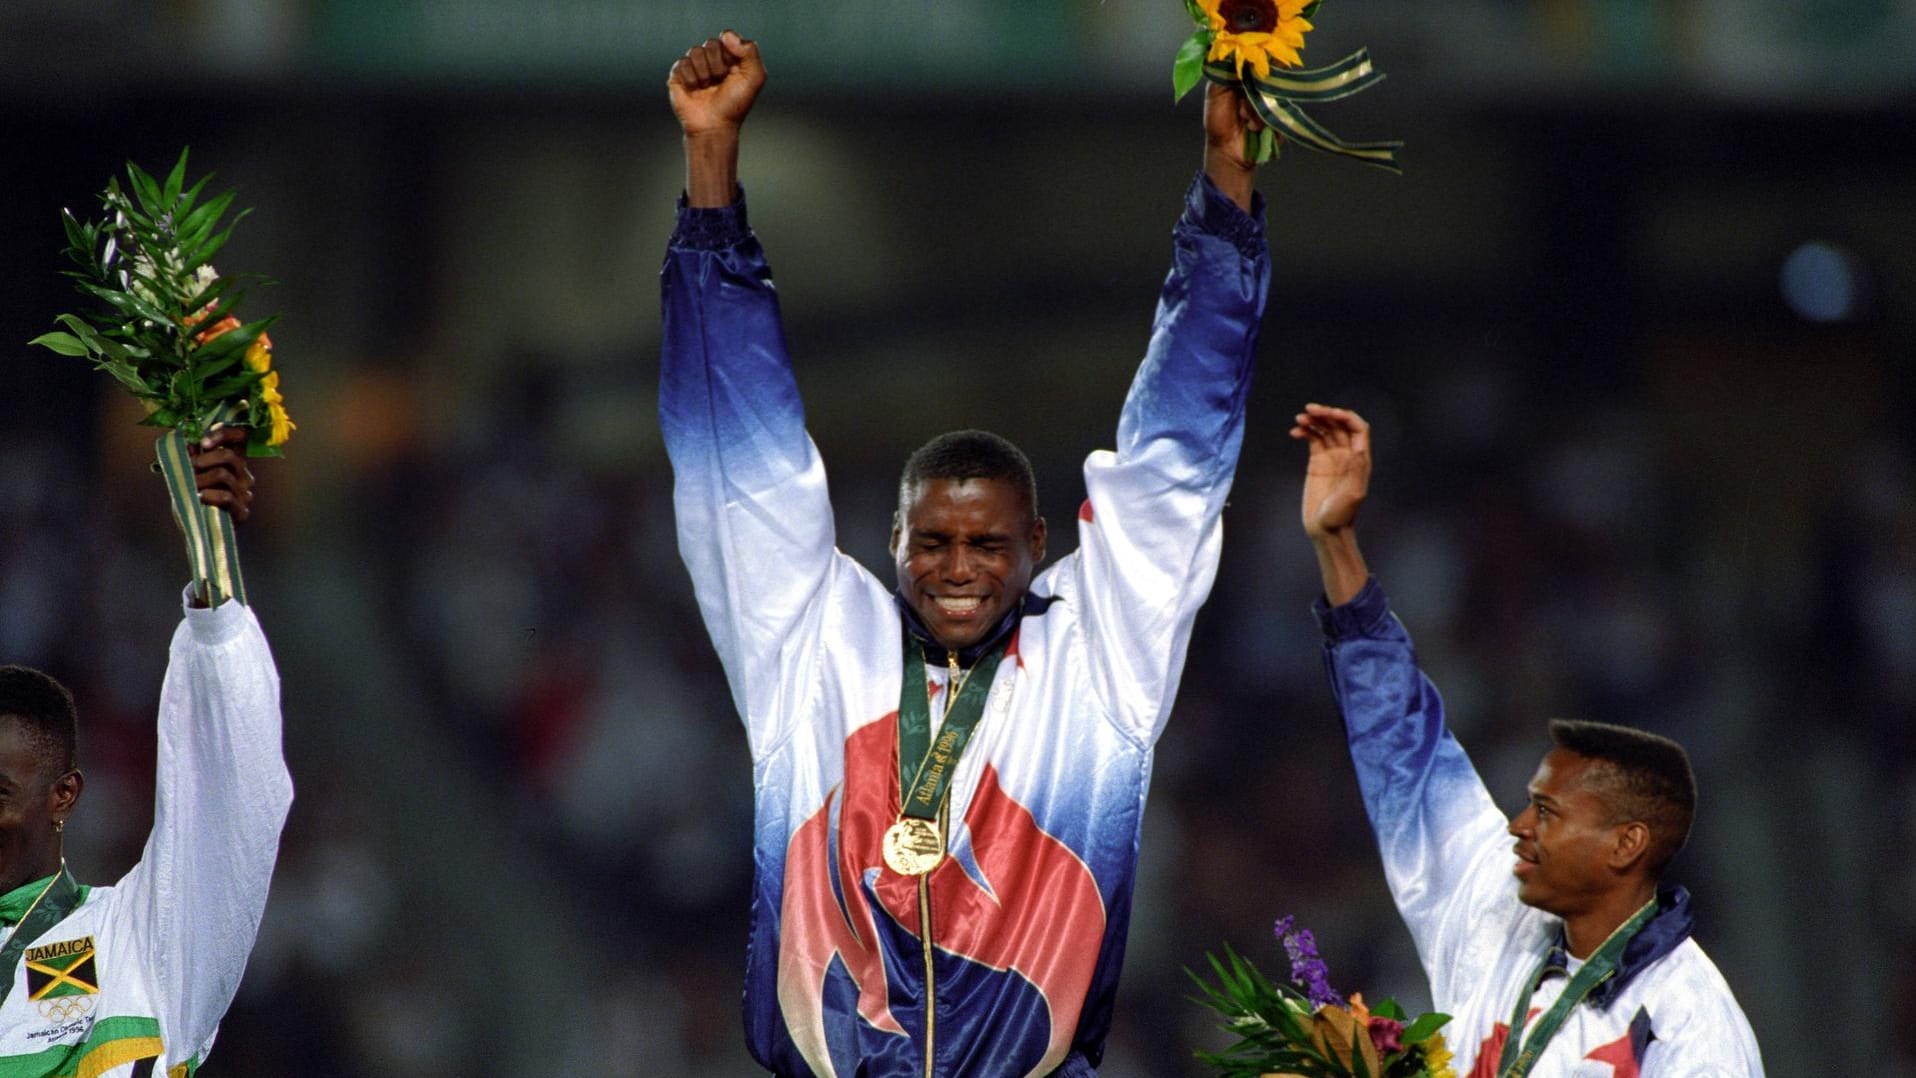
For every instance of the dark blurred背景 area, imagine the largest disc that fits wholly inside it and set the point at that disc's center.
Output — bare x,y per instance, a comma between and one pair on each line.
1636,329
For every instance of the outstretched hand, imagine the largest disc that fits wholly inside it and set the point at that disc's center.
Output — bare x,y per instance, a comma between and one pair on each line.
713,85
1339,472
221,474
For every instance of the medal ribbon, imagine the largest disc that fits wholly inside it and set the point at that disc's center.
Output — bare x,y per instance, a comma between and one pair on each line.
62,894
1516,1063
925,767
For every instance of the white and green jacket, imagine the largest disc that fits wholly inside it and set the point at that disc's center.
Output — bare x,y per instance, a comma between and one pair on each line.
134,980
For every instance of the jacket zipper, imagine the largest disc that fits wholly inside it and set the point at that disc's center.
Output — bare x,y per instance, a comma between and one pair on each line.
924,895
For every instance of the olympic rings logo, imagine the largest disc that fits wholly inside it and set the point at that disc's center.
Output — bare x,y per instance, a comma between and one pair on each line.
65,1008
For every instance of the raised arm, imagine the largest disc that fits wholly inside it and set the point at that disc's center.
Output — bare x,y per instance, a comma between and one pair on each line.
1437,827
1149,530
754,519
221,794
1228,117
712,88
1335,484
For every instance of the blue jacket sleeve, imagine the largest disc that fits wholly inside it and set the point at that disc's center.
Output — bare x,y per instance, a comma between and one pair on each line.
1438,830
754,516
1150,531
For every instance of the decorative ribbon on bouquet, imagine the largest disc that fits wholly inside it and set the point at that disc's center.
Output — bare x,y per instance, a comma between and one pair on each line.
1236,44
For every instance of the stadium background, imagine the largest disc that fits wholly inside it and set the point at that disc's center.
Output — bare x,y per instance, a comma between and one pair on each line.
1635,329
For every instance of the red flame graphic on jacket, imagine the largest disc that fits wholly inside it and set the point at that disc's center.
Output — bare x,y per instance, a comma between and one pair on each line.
1042,915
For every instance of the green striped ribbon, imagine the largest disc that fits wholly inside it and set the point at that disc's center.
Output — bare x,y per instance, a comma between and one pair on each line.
59,898
925,769
1515,1062
211,548
1277,99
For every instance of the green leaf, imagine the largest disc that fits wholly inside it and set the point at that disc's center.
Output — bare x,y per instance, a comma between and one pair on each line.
222,295
1422,1029
174,180
76,233
1358,1067
1388,1008
232,342
1197,13
235,386
191,195
126,302
194,227
127,377
1260,146
1188,69
146,190
1310,9
65,344
80,328
204,253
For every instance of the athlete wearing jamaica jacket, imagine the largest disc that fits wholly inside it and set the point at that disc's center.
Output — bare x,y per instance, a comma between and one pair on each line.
1004,958
131,980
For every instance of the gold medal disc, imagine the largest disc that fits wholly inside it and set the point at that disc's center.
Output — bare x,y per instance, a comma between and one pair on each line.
913,846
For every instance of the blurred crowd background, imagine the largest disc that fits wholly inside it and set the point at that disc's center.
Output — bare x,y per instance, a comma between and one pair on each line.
1637,330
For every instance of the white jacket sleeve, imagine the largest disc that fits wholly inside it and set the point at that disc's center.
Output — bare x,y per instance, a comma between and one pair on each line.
1150,530
221,796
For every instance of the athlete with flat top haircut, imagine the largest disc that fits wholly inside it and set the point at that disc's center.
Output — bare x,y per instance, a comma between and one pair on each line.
1567,934
949,774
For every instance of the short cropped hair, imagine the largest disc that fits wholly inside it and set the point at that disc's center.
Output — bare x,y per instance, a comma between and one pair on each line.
1644,777
44,709
969,454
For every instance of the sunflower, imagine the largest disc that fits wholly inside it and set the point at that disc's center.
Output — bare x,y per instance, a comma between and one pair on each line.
1256,32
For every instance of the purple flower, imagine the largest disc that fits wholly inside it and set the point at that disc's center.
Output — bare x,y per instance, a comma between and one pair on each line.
1307,970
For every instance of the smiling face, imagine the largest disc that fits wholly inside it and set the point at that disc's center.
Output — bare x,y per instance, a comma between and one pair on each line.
1569,848
965,549
33,795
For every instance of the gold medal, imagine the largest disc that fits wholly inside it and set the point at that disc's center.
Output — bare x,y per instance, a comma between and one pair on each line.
913,846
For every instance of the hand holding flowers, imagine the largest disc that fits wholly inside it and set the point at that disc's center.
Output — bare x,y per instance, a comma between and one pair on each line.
1233,35
163,325
1314,1033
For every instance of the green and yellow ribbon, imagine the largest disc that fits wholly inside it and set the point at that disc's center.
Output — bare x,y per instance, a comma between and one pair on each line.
1278,98
211,548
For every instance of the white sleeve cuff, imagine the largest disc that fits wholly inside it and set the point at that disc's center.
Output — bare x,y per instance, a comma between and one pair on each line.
218,624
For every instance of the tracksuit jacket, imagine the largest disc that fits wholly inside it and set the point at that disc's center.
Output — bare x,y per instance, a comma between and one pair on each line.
1665,1013
1028,913
133,982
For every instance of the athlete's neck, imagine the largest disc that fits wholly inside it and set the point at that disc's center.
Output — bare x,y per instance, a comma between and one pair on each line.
1585,931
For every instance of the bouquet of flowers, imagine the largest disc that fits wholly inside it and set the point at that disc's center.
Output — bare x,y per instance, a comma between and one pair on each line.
1304,1029
1233,35
163,324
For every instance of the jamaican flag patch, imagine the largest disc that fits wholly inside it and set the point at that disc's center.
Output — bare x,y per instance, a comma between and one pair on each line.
61,969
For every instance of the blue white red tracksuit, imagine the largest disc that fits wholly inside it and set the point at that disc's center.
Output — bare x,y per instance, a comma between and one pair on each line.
1029,912
1666,1013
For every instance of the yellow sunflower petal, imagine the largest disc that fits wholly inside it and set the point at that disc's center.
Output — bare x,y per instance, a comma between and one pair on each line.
283,426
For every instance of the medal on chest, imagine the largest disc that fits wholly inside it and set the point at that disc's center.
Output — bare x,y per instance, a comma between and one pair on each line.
915,844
